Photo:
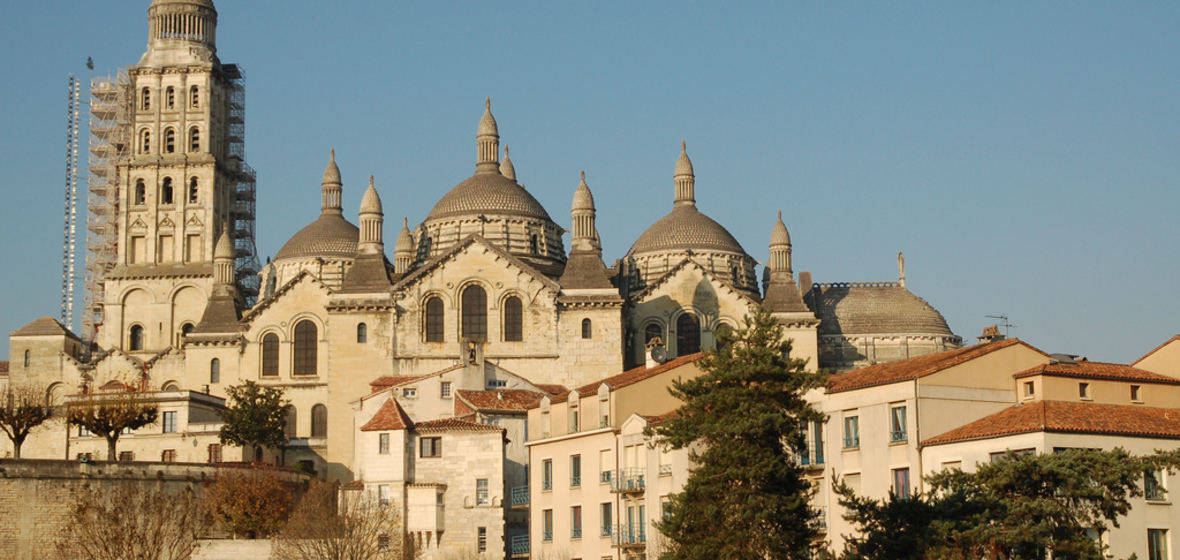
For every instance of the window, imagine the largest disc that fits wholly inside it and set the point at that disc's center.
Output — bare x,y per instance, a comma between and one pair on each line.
194,139
444,389
319,421
145,99
383,495
534,247
362,333
126,456
383,444
482,543
1084,390
1153,488
576,522
434,320
688,335
587,329
193,193
851,432
186,330
547,525
145,143
481,492
652,330
135,341
901,483
475,313
170,97
166,191
1029,390
169,422
194,97
497,383
169,141
574,416
576,471
140,193
168,456
897,426
305,348
812,452
430,447
214,453
215,371
383,542
547,474
1135,394
513,320
1157,544
270,354
290,429
606,519
27,358
604,465
410,393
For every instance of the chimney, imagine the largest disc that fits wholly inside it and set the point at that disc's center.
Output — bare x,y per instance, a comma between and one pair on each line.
655,352
990,334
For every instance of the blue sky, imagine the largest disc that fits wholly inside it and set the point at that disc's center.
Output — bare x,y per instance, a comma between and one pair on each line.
1024,156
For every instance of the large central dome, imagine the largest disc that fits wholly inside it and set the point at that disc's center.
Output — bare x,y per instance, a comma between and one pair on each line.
685,227
329,236
488,193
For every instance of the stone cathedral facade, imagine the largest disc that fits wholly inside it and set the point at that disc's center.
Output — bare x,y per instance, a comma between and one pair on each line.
485,278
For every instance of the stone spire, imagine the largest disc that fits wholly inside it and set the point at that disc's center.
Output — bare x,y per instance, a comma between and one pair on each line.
684,178
181,31
780,246
506,167
332,187
584,270
403,250
487,139
585,234
781,293
372,222
223,258
222,311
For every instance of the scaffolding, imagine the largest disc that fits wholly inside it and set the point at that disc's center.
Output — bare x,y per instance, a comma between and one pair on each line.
70,226
110,143
246,263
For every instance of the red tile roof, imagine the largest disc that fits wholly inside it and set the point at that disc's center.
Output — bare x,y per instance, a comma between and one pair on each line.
499,400
1071,418
389,417
553,389
631,376
386,381
1098,370
657,419
914,368
1157,349
454,425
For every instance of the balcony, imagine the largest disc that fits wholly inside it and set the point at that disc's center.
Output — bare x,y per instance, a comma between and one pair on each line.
810,459
576,533
520,546
820,522
627,481
520,497
897,436
628,535
851,442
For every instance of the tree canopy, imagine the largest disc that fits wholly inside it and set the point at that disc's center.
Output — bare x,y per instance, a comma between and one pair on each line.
747,498
108,412
23,407
255,416
251,502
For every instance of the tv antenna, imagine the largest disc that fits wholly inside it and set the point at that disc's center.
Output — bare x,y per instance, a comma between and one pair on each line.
1007,325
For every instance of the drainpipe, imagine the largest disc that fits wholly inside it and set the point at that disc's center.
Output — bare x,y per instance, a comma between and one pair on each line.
918,434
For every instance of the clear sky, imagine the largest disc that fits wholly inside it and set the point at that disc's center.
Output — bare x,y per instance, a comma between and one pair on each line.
1024,155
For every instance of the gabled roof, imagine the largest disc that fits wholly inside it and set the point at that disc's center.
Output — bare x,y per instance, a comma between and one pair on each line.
1098,370
432,264
45,326
1070,418
750,297
387,381
552,388
389,417
1157,349
262,305
914,368
631,376
500,400
454,425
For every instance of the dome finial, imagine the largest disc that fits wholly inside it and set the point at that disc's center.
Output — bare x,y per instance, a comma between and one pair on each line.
332,186
506,168
684,178
487,139
487,103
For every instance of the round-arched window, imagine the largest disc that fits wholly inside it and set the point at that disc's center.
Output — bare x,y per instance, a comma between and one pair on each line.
362,333
475,313
270,354
319,421
306,341
135,339
587,329
215,371
513,320
434,320
688,335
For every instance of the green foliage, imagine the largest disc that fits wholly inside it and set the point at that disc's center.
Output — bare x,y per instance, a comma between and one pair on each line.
746,498
251,502
1015,507
22,408
109,412
255,416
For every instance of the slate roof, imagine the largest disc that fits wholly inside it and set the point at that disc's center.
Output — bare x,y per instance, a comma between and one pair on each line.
1098,370
454,425
389,417
873,308
45,326
1070,417
914,368
500,400
631,376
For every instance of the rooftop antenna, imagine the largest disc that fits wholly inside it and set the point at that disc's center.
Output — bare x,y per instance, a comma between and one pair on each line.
1007,325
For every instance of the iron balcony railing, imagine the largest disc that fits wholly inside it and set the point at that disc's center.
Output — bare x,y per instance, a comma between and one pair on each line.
520,496
576,533
520,545
810,458
627,480
605,477
851,441
897,435
665,470
575,481
628,535
820,521
547,536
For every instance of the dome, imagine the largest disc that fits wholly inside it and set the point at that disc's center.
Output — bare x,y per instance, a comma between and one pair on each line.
583,198
329,236
683,164
685,227
371,201
884,308
779,235
487,124
405,239
488,193
332,171
506,168
225,246
205,3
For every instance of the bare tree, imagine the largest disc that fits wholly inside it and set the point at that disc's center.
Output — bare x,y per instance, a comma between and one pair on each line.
132,520
348,525
109,411
24,407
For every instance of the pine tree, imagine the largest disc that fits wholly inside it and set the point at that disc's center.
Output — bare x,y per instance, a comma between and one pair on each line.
747,498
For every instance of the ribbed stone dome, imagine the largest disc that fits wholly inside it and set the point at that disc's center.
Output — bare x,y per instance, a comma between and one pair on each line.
488,193
779,235
206,3
874,308
685,227
329,236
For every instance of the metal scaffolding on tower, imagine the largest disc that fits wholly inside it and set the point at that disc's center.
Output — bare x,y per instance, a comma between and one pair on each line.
246,263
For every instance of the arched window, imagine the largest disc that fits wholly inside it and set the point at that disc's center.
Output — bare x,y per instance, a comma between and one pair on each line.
475,313
434,320
587,329
721,333
652,330
270,354
194,139
140,193
135,341
28,356
290,428
534,247
170,387
145,99
193,193
362,333
215,371
170,97
688,335
319,421
166,191
145,145
272,282
169,141
194,96
186,329
306,336
513,320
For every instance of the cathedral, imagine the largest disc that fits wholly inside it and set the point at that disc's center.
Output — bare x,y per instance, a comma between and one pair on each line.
486,277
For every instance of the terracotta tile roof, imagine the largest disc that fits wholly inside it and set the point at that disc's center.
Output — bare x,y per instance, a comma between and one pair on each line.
1070,417
499,400
914,368
552,389
657,419
463,410
1098,370
354,485
45,326
632,376
389,417
386,381
4,368
454,425
1157,349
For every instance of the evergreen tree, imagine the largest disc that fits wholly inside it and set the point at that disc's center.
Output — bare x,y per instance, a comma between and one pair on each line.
255,417
747,498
